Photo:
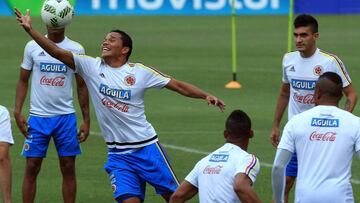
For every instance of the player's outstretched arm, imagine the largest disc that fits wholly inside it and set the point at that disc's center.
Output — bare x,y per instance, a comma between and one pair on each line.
50,47
190,90
183,193
244,190
351,98
282,158
83,96
282,102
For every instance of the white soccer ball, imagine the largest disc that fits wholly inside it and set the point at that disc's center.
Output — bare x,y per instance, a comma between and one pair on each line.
57,13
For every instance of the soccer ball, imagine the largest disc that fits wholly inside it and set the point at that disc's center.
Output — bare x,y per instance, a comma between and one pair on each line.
57,13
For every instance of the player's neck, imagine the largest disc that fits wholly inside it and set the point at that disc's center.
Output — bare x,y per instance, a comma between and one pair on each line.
114,62
308,53
328,102
57,38
242,144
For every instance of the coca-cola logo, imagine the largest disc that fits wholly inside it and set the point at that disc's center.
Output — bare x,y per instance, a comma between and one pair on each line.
212,170
326,137
304,99
58,81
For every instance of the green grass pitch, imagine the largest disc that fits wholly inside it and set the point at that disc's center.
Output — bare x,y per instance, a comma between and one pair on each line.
193,49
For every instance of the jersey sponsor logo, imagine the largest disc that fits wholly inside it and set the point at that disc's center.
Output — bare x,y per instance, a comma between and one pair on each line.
324,122
53,67
219,158
318,70
58,81
212,170
304,99
119,106
115,93
130,80
303,84
42,53
325,137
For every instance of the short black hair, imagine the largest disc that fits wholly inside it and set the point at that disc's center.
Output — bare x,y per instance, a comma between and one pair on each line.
305,20
238,124
330,83
127,41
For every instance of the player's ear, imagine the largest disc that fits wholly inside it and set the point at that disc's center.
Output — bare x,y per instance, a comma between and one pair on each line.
226,134
316,35
251,134
125,50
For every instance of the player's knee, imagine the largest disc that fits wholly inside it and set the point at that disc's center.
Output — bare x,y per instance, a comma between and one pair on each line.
33,166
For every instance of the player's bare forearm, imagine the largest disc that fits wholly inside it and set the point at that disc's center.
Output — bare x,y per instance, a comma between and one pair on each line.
83,96
282,103
244,190
351,98
50,47
21,90
192,91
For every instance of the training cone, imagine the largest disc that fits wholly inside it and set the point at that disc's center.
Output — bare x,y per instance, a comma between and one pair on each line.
233,85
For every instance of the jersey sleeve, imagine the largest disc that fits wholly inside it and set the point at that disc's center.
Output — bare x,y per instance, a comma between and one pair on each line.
27,62
287,139
153,77
338,67
249,166
284,75
193,176
5,124
84,65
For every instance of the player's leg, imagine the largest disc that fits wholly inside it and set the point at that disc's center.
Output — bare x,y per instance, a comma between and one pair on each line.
157,170
5,172
67,167
67,145
126,184
35,148
291,174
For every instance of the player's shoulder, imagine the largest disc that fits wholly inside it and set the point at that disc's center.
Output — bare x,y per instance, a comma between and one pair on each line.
3,111
30,45
146,68
290,55
75,45
328,55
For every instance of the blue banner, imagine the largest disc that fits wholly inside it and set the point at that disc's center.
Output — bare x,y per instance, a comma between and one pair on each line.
180,7
327,6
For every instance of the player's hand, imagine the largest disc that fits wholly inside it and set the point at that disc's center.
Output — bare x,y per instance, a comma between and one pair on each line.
212,100
24,21
22,124
83,132
274,136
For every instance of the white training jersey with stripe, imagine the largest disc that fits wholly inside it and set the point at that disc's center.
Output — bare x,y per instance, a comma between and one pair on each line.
324,139
302,73
51,82
118,97
214,175
5,126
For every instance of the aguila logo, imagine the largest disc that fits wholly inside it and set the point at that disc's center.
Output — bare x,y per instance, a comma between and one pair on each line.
130,80
325,137
318,70
56,82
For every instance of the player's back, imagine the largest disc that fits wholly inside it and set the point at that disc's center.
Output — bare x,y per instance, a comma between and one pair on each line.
326,138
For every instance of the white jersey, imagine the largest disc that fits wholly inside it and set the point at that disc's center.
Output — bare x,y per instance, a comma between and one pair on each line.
51,82
5,126
214,175
118,97
302,73
325,139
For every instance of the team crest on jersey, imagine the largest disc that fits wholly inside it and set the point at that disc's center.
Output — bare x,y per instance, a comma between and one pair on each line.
318,70
130,80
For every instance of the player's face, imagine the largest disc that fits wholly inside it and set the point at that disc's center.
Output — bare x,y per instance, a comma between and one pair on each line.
305,39
55,31
112,45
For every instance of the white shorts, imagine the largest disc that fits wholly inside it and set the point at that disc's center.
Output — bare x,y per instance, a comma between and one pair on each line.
5,126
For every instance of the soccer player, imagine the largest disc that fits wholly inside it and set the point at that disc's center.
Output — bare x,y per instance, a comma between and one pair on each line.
325,139
6,140
300,71
117,89
52,113
228,173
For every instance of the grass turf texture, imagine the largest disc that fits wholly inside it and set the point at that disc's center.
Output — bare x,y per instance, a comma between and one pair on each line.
193,49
